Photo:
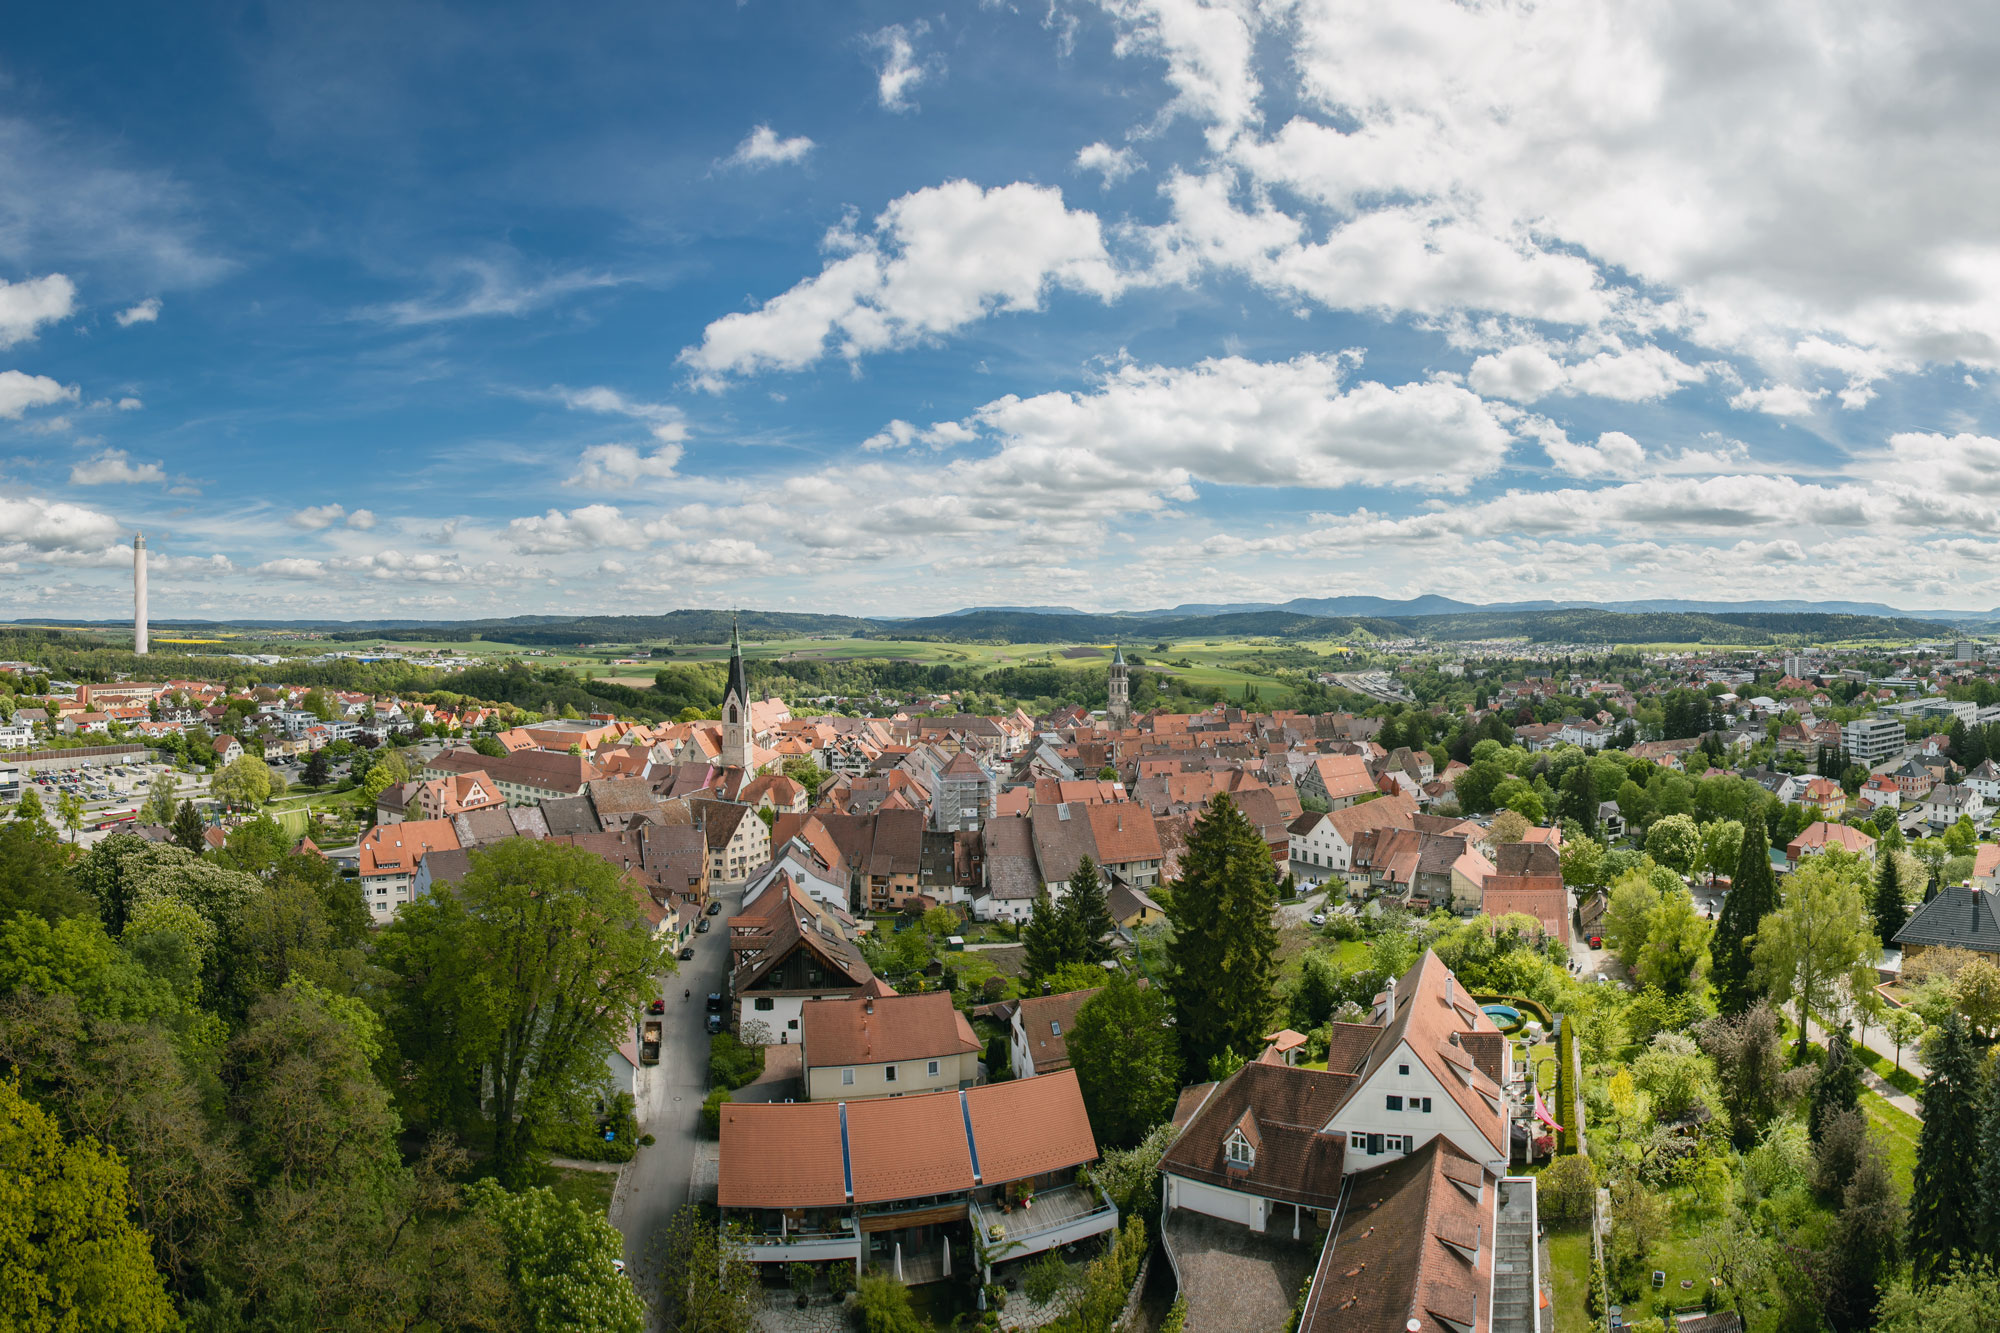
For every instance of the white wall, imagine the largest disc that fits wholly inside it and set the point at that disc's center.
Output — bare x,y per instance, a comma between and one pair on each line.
1366,1112
1212,1201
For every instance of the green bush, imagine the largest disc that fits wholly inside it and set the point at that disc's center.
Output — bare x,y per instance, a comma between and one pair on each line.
884,1307
580,1134
1046,1278
731,1064
711,1111
840,1277
1565,1108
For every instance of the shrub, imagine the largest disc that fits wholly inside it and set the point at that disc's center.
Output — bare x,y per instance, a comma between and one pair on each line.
711,1111
840,1277
579,1134
884,1307
1046,1278
731,1064
1565,1189
646,1140
802,1277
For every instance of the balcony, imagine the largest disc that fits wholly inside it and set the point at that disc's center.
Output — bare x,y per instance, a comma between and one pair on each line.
1060,1216
786,1244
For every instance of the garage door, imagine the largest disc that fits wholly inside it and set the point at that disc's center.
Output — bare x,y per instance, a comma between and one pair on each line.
1227,1204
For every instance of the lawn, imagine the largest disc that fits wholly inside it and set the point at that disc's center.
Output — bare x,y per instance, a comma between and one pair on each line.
1902,1080
1569,1264
591,1189
1900,1131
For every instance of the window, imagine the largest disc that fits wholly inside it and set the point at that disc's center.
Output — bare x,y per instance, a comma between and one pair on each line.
934,1069
1374,1145
889,1074
1055,1028
765,1006
1395,1102
1404,1070
1240,1151
1427,1105
1396,1143
847,1078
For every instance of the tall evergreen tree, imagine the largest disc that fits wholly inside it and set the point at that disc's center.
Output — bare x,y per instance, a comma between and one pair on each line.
1866,1241
1890,910
1988,1233
1049,938
1089,919
1223,961
1838,1087
1579,797
1944,1199
1753,893
188,827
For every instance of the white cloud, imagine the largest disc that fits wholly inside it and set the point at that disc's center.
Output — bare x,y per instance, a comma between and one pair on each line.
1113,164
1615,454
1525,373
1208,49
113,467
1522,374
19,392
936,260
902,435
361,519
1778,400
900,70
320,516
1961,464
26,306
581,529
618,465
51,525
146,312
763,148
292,567
128,404
666,421
478,288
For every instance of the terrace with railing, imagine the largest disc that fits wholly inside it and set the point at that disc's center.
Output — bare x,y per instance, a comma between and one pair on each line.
1058,1216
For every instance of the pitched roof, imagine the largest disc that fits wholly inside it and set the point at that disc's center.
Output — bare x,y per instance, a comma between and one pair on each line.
1398,810
1048,1020
864,1032
395,849
1027,1127
1415,1245
1295,1160
1961,916
1430,1009
903,1147
782,1155
1533,896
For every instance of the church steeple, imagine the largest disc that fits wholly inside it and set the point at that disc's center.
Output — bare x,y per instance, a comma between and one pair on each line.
1119,689
735,707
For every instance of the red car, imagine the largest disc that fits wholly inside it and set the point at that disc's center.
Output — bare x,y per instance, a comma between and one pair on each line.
657,1007
1596,941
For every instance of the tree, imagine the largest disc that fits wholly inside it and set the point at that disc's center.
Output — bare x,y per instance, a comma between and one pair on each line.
489,745
524,979
1629,913
1753,893
1049,938
1837,1090
246,782
1676,946
1986,1234
1579,798
1566,1188
1889,907
1815,938
69,812
69,1256
1944,1199
1126,1060
1582,862
160,802
1964,1299
318,769
807,774
706,1286
189,827
1089,917
1509,826
1749,1067
1905,1026
1675,842
29,809
1865,1240
1721,846
1223,960
32,875
560,1261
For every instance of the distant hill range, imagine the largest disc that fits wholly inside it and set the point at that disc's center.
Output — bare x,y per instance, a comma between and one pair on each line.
1436,618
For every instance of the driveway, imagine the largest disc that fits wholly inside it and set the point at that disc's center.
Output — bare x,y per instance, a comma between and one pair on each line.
669,1098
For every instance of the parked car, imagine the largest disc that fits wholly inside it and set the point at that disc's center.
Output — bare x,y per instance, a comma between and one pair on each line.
1596,941
658,1006
714,1024
1318,918
687,952
715,1002
701,926
714,906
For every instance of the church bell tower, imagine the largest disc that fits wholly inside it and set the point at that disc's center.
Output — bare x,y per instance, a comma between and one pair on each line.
1119,712
736,709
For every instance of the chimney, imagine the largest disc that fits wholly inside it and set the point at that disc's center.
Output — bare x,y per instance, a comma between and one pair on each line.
868,1005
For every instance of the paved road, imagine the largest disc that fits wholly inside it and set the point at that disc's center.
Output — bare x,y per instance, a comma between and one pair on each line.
669,1096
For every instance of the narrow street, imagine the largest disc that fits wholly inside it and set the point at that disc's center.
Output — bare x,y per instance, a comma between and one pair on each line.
669,1098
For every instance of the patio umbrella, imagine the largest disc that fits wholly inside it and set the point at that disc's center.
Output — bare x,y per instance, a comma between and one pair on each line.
947,1256
899,1261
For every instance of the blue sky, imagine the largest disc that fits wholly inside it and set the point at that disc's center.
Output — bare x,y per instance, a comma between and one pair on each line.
455,311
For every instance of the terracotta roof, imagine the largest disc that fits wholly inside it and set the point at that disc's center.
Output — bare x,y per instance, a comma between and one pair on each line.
904,1147
1399,810
1048,1020
1123,832
1430,1008
1532,895
865,1032
1348,1046
1344,775
1414,1245
781,1155
1295,1160
395,849
1190,1101
1026,1127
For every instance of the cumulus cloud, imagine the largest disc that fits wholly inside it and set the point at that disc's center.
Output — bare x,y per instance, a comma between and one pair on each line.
1778,400
292,567
664,420
935,261
763,148
1615,454
583,529
1525,373
316,517
26,306
900,70
20,392
1113,164
615,465
146,312
51,525
113,467
902,435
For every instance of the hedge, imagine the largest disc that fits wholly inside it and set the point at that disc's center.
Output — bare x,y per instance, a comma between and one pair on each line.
1521,1002
1565,1108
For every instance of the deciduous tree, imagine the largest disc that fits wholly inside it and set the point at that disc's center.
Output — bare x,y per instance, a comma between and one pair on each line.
1817,934
560,1260
1126,1060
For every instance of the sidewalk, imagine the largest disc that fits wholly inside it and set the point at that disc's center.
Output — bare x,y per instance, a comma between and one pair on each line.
1873,1081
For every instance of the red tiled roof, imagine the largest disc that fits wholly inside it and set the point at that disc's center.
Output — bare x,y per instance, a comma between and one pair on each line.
861,1032
781,1155
1028,1126
904,1147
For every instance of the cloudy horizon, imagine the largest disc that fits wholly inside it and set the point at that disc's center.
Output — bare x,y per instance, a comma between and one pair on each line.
429,312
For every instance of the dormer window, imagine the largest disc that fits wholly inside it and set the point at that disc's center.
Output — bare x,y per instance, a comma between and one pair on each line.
1240,1153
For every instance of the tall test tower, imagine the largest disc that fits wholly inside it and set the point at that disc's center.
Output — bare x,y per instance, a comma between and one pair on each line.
139,594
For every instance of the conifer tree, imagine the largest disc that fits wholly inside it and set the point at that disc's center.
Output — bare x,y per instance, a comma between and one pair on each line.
1944,1200
1222,963
1753,892
1988,1232
1048,937
1838,1087
1089,919
188,827
1890,910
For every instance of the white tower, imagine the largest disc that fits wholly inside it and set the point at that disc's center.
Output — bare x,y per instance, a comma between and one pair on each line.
1119,711
736,728
139,594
